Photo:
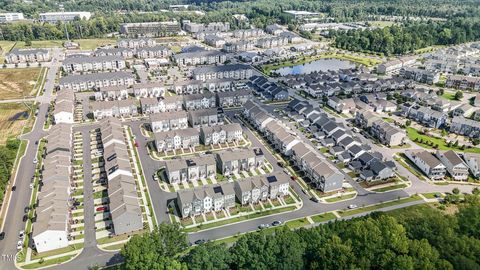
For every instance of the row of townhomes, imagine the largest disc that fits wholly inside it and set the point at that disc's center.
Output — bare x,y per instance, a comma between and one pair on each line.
122,189
436,165
191,137
325,177
166,121
386,133
192,202
51,230
64,107
342,144
84,63
84,82
142,48
206,166
16,56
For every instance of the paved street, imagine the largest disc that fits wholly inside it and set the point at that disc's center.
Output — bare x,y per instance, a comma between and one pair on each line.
21,197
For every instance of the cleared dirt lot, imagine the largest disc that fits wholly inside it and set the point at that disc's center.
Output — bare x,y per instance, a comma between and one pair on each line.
17,83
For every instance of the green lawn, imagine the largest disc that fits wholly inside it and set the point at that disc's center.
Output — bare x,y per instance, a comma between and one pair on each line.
448,95
323,217
297,223
378,206
41,44
341,198
432,195
93,43
424,140
384,189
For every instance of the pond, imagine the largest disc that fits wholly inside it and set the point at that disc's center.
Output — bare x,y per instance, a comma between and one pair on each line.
317,65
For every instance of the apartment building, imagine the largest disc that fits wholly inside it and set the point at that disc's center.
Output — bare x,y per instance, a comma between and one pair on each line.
126,53
17,56
235,71
150,29
420,75
428,163
191,168
93,63
157,51
168,121
203,57
463,82
192,27
11,17
136,43
221,134
85,82
53,17
177,139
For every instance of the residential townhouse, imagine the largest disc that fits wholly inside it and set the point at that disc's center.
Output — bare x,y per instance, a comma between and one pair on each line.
27,56
395,65
261,188
377,171
187,87
64,107
151,105
203,57
214,41
193,202
234,71
177,139
387,133
221,85
205,117
93,63
455,166
136,43
123,200
234,161
238,46
420,75
204,100
233,98
51,227
96,80
272,42
221,134
169,121
248,33
153,89
192,27
473,163
114,108
189,169
428,163
465,110
365,119
463,82
123,52
465,126
426,116
157,51
113,92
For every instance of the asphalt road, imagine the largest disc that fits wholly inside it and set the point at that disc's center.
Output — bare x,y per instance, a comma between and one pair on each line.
13,222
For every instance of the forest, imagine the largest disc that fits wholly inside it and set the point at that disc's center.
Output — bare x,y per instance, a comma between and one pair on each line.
109,14
445,236
407,38
8,152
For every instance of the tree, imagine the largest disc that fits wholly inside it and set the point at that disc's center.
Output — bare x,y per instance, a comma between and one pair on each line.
209,256
440,92
155,250
408,122
458,95
456,191
469,219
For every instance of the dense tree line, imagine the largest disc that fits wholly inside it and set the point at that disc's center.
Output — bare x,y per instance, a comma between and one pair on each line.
421,237
8,152
408,38
109,14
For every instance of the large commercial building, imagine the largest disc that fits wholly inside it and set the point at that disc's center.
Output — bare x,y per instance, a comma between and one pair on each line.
11,17
150,29
53,17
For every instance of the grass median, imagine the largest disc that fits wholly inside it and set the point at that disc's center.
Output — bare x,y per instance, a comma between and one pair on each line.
378,206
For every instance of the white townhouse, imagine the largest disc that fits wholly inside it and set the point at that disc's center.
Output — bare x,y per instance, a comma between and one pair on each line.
428,163
454,165
143,90
93,63
96,80
27,55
